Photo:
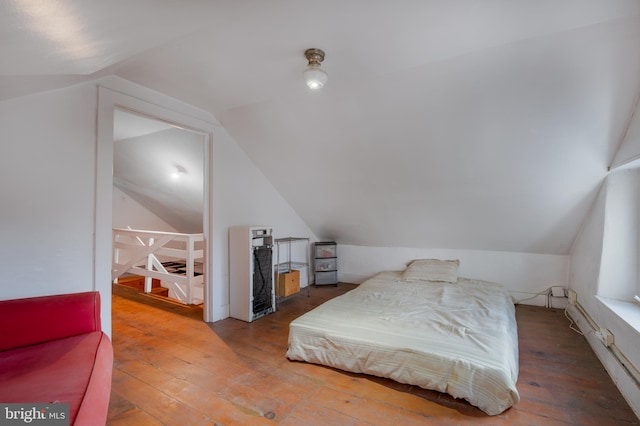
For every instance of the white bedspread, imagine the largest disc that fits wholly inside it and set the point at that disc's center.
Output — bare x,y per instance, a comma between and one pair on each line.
459,338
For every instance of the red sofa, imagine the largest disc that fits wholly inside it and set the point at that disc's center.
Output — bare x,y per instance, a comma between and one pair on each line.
52,349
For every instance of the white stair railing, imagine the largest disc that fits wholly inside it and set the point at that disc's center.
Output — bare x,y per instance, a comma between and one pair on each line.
140,252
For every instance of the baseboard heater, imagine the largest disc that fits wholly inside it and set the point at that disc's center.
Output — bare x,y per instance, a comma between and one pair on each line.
621,359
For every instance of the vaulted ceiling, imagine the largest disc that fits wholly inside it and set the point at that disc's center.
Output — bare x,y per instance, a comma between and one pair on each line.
452,124
161,167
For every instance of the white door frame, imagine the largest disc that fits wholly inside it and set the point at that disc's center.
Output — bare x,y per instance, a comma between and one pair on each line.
151,104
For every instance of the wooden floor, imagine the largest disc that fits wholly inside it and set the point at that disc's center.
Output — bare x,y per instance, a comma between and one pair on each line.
171,368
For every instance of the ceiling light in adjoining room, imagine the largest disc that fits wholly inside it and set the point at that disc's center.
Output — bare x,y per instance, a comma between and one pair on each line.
314,76
177,172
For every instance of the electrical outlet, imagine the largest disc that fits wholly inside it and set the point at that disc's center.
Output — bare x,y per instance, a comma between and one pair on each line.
573,297
605,337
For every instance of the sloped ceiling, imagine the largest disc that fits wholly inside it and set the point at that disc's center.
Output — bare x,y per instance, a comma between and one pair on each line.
161,167
451,124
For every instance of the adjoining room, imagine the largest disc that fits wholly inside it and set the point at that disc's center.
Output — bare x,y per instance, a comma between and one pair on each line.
320,213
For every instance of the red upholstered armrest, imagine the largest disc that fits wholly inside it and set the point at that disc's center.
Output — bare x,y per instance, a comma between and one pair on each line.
34,320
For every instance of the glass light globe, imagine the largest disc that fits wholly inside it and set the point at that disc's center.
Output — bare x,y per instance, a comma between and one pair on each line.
315,77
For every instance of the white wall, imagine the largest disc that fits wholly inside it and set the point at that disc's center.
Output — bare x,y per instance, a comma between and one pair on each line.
127,212
629,149
243,196
603,263
47,180
618,265
524,274
50,203
586,254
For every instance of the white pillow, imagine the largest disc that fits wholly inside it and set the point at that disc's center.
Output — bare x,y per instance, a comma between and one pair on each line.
432,270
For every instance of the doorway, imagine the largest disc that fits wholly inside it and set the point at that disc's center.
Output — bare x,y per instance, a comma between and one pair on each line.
158,184
169,114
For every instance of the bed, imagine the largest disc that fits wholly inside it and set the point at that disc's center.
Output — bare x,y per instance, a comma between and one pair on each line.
433,330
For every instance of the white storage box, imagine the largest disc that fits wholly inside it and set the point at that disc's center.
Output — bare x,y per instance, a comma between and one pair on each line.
325,250
330,277
323,265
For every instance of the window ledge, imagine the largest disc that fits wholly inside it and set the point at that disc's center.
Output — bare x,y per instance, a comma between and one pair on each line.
629,312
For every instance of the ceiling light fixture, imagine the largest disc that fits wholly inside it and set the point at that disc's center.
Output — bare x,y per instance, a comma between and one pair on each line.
314,76
177,172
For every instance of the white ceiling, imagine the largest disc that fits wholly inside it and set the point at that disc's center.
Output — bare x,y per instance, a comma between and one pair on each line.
451,124
127,125
147,153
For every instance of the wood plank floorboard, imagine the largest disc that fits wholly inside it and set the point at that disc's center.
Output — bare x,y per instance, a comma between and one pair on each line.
171,368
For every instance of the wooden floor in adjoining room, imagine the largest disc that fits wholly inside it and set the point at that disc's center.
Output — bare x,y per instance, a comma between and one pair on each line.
171,368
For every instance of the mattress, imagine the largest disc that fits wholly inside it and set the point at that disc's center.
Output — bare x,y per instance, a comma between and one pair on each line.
458,338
